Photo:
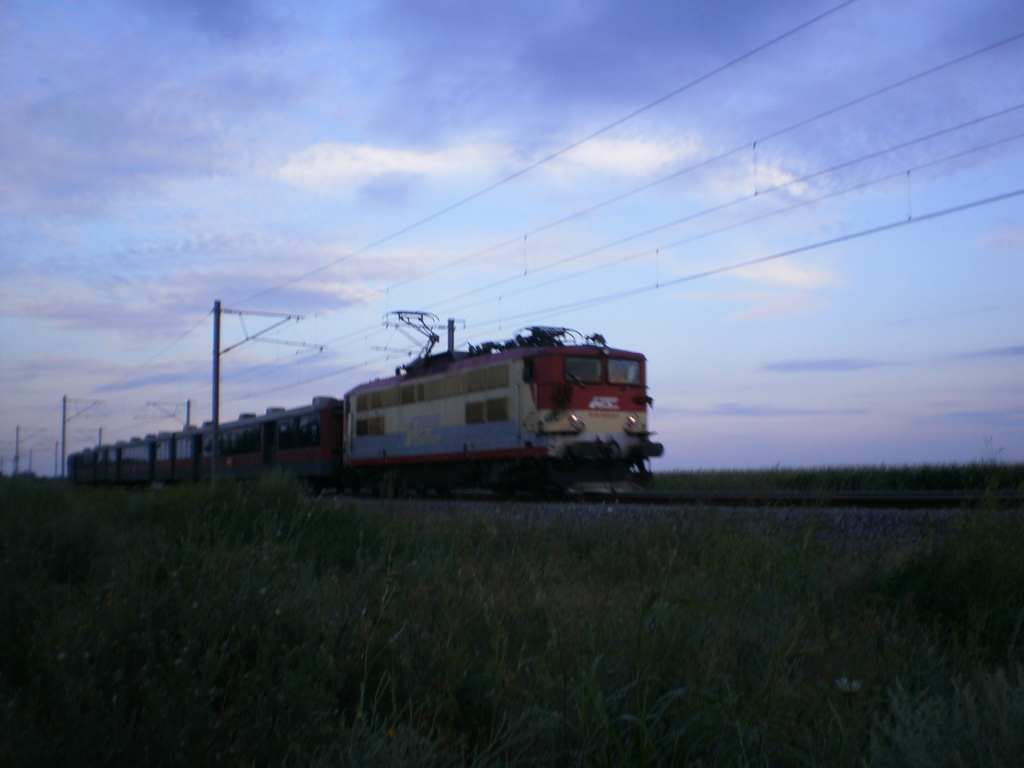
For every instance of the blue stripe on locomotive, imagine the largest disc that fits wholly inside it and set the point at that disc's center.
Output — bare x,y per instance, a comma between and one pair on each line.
427,437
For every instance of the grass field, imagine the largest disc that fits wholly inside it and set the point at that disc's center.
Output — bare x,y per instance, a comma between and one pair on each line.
252,626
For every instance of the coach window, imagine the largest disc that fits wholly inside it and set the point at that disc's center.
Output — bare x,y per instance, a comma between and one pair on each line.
583,370
623,371
163,450
286,437
183,449
309,430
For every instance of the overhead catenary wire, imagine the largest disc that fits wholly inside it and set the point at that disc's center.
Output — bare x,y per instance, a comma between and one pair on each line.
723,206
704,163
142,365
902,222
624,196
715,158
659,284
747,198
753,219
557,153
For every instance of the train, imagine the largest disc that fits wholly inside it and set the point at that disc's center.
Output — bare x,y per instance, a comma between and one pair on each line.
549,410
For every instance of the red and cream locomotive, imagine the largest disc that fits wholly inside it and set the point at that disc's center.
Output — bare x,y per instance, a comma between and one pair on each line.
545,410
549,410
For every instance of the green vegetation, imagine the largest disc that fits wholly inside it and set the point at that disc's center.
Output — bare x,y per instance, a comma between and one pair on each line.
986,476
248,625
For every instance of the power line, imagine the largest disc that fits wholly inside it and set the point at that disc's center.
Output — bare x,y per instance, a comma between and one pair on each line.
139,367
556,154
619,295
745,146
723,206
751,220
746,198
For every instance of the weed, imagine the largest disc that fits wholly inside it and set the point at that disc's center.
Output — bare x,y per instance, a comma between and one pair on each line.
251,625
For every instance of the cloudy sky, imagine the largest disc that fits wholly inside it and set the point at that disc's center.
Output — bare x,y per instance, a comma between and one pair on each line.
806,213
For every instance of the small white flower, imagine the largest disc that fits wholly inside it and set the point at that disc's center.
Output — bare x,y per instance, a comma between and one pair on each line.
846,685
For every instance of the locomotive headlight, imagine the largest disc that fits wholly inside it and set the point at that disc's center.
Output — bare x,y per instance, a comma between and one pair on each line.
576,422
632,425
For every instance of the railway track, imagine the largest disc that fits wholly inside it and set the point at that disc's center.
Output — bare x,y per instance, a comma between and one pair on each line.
868,499
846,518
821,499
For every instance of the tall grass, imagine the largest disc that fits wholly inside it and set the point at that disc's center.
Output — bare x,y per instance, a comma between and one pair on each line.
251,625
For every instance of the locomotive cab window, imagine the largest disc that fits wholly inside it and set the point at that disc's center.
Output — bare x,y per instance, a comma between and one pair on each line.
623,371
585,370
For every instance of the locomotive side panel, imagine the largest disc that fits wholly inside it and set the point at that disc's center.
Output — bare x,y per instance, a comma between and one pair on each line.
451,417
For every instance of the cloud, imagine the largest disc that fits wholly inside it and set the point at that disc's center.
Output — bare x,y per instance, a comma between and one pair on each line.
148,310
232,20
776,306
629,157
788,273
771,411
335,167
1007,239
996,420
838,365
170,376
112,105
1017,351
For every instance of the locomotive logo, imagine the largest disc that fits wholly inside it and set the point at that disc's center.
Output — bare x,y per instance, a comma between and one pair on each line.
604,403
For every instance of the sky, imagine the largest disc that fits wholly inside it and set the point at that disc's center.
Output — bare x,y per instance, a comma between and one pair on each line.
807,214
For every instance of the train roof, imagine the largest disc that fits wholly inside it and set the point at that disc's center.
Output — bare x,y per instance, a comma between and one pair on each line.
272,414
536,340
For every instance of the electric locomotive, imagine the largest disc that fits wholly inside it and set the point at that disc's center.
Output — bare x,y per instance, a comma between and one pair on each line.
546,410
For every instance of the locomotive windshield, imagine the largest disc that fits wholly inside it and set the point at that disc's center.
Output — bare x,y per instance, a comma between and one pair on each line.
588,370
623,371
584,370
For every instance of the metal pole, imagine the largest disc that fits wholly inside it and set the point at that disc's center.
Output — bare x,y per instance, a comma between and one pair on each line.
63,432
17,448
55,459
216,389
188,413
101,438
